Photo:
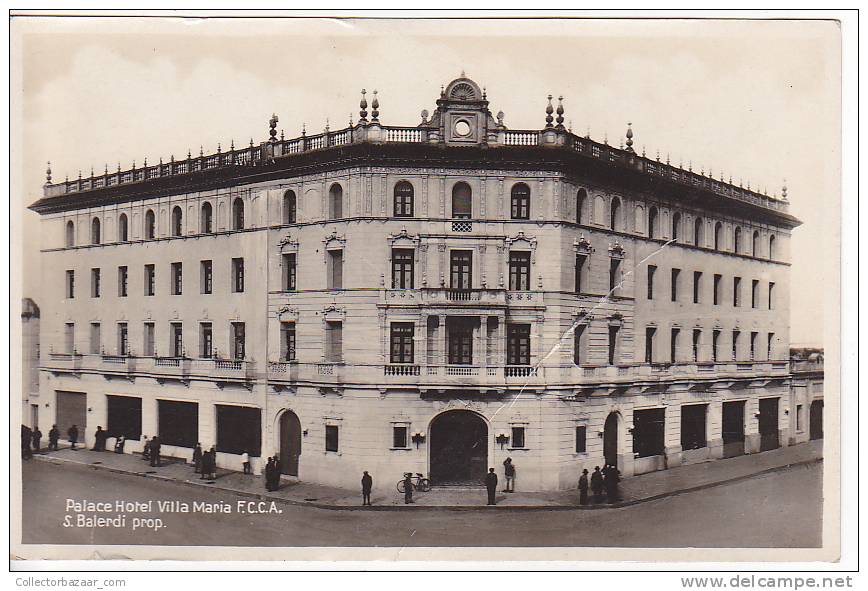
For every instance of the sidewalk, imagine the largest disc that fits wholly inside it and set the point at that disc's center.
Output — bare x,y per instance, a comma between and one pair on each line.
634,490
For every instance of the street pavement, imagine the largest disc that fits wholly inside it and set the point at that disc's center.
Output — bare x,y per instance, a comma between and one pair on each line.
781,508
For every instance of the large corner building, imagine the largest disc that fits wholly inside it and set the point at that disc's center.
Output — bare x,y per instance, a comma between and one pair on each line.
432,299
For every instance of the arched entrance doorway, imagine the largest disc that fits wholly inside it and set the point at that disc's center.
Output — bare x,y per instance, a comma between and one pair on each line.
290,443
610,439
458,448
816,419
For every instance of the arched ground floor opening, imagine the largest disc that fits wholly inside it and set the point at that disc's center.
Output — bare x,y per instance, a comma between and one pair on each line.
458,448
290,443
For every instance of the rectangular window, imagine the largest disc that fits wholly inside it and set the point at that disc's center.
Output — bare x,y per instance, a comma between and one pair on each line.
148,349
649,432
693,421
334,342
519,271
399,437
735,335
336,269
799,417
123,281
715,338
754,294
69,337
613,344
650,331
736,292
459,336
206,277
123,339
674,284
70,284
289,272
697,286
238,275
95,338
578,344
614,273
460,269
753,336
716,286
581,272
770,348
402,268
150,279
651,270
331,438
771,295
177,331
697,342
673,345
581,439
287,341
206,340
401,340
518,344
517,439
94,283
177,279
238,340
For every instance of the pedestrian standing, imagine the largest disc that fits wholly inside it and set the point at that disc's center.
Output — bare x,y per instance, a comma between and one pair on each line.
206,459
583,487
367,484
197,458
119,444
269,475
491,486
245,461
611,479
98,440
597,485
26,440
72,433
155,451
53,438
146,449
212,464
408,488
275,473
37,439
509,473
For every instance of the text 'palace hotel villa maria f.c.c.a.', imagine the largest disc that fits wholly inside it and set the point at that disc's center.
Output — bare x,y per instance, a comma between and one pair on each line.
432,298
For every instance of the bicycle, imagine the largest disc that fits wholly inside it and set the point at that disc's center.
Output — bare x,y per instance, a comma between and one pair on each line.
419,482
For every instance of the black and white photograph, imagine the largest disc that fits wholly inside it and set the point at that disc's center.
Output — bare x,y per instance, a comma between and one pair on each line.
436,287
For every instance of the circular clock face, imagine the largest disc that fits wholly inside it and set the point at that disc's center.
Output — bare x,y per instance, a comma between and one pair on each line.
462,129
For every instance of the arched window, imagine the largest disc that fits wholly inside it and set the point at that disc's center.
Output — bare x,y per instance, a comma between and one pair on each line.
70,233
94,231
755,246
698,234
771,247
718,236
615,214
336,202
177,219
581,198
150,224
403,200
206,222
123,228
289,207
238,214
676,226
520,203
462,201
736,240
653,230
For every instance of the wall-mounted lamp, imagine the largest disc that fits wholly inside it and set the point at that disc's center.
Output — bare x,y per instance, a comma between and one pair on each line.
502,439
786,411
600,433
304,432
46,405
757,415
89,410
417,438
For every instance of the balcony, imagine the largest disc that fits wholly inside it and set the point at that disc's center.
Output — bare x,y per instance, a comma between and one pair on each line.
64,362
463,298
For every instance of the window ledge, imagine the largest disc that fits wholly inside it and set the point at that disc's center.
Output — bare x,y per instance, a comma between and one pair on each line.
401,448
517,448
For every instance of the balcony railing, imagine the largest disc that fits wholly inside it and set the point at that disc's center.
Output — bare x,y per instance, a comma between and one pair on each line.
400,369
463,297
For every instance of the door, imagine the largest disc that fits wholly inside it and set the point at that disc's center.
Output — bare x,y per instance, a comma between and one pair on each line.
461,269
817,419
610,440
72,410
34,416
290,443
460,337
733,428
768,424
459,448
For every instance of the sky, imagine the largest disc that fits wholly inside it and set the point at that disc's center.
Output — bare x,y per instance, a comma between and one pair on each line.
758,100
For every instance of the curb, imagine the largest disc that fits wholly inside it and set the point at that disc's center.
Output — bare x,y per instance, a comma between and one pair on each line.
266,497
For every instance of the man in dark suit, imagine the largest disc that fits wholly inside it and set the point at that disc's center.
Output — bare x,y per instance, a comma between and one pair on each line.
72,433
367,484
53,437
491,485
155,451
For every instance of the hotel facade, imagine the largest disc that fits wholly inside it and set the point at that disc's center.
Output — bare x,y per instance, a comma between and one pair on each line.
430,299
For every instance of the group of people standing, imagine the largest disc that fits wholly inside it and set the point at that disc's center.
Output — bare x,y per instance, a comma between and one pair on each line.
205,463
606,479
151,450
31,440
272,473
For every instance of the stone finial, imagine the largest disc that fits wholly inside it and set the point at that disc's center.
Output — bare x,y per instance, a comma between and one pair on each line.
570,126
549,111
588,132
119,165
272,127
643,150
303,129
91,172
560,112
190,154
630,138
606,138
232,145
106,169
375,105
784,191
658,155
251,140
667,158
351,119
424,114
363,106
219,149
79,170
327,125
48,173
484,93
690,165
201,151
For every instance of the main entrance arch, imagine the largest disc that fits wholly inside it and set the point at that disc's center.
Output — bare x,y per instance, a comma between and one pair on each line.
290,443
610,439
458,445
